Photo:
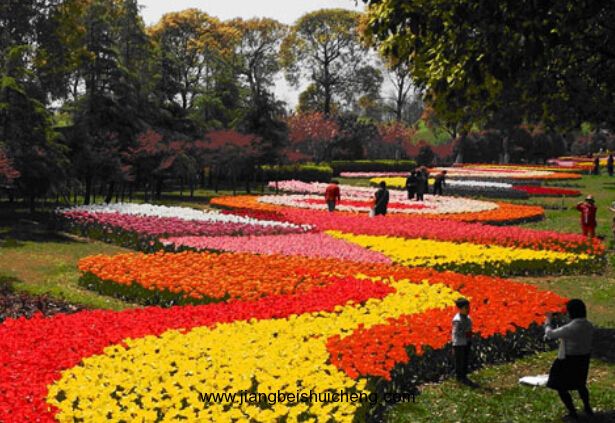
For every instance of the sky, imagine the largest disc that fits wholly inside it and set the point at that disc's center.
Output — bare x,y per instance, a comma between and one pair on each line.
285,11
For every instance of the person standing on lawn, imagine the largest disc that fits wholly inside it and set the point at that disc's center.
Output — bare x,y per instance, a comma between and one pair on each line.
597,165
609,165
411,184
588,211
332,195
381,200
569,371
461,339
439,182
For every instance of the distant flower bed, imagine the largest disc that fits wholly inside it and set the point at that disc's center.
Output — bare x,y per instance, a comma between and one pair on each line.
141,225
417,227
513,172
503,213
547,191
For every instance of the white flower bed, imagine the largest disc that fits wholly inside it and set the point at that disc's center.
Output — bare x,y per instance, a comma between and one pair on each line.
183,213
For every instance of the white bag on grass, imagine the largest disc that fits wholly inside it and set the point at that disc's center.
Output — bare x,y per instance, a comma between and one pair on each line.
540,380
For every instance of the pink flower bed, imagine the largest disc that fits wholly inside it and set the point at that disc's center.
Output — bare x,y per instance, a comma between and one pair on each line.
158,226
318,245
443,230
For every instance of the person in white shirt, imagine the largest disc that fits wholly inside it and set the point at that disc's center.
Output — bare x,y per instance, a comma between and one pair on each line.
461,336
569,371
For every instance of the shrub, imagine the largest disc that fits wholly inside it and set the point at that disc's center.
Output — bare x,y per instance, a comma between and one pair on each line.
301,172
371,166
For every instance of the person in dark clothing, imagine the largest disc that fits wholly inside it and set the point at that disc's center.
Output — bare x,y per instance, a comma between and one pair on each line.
569,371
411,184
426,176
382,200
439,182
609,165
597,165
420,185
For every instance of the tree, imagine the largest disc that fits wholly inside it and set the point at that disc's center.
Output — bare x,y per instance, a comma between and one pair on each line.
324,47
473,58
7,171
257,49
394,137
189,45
313,134
26,131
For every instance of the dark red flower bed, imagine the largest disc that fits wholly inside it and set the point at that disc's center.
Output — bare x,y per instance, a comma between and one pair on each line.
14,305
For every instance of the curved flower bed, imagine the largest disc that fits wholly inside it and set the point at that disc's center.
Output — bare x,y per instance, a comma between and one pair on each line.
316,245
515,172
139,226
204,276
359,199
152,363
471,258
463,187
505,213
547,191
419,227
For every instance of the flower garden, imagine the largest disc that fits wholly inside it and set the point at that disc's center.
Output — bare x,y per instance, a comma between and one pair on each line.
273,293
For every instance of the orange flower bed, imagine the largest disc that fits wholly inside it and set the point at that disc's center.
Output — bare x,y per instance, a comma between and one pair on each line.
505,213
218,276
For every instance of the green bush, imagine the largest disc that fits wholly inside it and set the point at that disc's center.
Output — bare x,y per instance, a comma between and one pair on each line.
372,166
300,172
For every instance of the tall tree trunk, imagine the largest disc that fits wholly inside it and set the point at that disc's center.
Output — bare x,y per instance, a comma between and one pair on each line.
109,196
159,188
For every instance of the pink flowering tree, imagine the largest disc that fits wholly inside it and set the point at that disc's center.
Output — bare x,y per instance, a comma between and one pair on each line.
312,135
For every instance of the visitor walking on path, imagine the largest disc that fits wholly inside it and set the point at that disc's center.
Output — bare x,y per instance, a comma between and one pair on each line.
597,165
461,336
420,185
439,182
411,184
569,371
609,165
332,195
381,200
588,211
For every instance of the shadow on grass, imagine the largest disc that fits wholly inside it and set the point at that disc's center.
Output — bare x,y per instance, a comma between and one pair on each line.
18,226
604,345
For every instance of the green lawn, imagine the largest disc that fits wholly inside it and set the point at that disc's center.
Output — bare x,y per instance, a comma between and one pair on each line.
501,399
38,261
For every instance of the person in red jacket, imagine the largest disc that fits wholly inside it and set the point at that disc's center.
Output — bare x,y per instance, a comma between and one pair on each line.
588,216
332,195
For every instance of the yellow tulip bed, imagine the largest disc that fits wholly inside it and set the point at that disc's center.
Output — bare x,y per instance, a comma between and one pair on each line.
466,257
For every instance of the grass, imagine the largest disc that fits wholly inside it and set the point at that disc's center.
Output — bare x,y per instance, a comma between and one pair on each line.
500,398
41,262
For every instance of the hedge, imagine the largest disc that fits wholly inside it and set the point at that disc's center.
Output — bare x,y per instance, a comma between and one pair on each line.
340,166
299,172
